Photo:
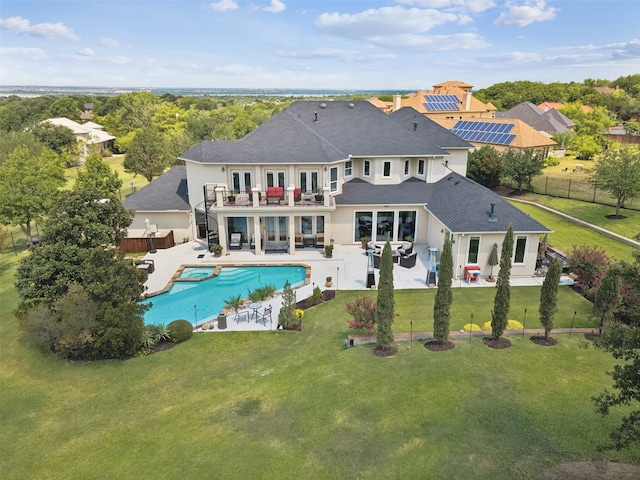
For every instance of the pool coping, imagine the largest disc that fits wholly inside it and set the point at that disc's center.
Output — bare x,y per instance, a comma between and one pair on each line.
175,277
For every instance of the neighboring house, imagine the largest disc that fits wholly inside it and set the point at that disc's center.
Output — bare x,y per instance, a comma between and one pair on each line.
88,133
451,99
549,121
379,175
546,106
500,133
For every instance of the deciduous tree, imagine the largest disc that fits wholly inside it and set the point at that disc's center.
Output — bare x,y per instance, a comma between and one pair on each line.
617,171
608,298
28,185
149,154
98,178
522,165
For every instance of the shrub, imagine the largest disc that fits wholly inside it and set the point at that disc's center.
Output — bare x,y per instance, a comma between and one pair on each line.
589,264
363,311
261,293
473,326
551,161
180,330
511,325
316,297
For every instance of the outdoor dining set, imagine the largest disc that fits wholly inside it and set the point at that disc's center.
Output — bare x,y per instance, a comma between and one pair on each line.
403,255
253,312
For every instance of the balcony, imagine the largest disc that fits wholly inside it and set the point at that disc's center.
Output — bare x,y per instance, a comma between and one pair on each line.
278,198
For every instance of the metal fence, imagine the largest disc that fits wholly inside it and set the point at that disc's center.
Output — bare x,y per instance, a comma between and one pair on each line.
574,189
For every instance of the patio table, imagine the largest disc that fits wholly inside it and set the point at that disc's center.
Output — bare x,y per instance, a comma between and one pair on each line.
255,307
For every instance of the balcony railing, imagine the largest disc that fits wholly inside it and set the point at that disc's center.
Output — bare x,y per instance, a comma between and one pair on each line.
287,198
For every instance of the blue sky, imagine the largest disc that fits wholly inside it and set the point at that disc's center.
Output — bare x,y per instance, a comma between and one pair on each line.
349,44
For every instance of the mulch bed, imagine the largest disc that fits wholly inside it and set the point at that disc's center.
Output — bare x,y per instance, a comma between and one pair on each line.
539,340
435,346
308,302
496,343
162,346
388,352
615,217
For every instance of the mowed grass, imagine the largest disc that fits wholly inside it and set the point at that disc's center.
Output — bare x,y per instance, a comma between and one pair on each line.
115,162
299,405
566,234
593,213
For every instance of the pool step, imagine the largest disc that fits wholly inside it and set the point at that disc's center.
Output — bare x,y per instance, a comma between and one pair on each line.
235,276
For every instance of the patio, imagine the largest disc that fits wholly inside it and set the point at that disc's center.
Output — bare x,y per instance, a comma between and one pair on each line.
348,267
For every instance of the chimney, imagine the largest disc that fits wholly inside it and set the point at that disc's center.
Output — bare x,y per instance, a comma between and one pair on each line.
466,100
397,102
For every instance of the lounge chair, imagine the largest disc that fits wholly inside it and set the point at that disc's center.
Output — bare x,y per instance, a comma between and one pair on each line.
406,248
236,241
408,261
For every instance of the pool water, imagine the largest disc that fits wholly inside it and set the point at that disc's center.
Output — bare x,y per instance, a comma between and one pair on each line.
201,301
197,272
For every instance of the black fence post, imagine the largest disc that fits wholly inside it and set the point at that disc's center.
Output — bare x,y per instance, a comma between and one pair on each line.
546,184
569,190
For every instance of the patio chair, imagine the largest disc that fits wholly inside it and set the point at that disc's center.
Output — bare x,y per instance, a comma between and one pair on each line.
408,261
264,315
242,314
376,260
236,241
406,248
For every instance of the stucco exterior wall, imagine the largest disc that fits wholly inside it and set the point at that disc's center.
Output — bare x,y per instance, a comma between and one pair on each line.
180,222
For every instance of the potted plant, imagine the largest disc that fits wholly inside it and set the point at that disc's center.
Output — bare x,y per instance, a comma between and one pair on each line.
329,281
318,194
216,249
328,251
409,238
364,241
232,196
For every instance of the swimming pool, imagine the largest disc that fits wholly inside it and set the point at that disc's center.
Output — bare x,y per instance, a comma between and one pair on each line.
199,301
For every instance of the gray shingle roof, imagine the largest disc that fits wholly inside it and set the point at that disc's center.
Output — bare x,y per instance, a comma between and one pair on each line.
416,122
167,192
549,121
460,203
317,132
464,207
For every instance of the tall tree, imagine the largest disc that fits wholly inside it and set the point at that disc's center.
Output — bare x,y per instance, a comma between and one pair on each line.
444,295
617,171
608,298
66,107
502,300
385,311
484,166
549,296
97,177
28,185
623,342
522,165
149,154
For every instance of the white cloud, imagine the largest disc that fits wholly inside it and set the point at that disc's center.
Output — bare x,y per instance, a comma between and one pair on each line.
462,5
109,42
317,53
526,14
31,53
386,21
432,43
276,7
224,5
46,30
235,68
87,52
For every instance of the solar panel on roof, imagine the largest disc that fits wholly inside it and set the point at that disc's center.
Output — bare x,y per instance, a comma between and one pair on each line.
485,132
441,102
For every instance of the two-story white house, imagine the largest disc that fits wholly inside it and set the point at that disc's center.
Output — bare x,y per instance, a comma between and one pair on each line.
334,172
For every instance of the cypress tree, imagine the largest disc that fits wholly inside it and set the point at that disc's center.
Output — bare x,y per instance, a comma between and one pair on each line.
549,296
385,310
444,295
608,297
502,300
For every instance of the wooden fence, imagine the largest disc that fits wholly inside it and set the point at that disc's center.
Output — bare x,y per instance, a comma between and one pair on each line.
146,244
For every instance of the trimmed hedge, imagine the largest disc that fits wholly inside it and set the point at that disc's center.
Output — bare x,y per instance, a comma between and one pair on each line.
180,330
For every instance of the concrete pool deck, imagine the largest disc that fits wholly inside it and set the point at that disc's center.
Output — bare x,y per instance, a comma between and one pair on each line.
348,267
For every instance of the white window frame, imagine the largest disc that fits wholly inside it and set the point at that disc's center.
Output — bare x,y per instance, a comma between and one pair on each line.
276,175
421,163
334,183
348,168
524,250
366,168
406,167
312,180
241,184
384,167
469,250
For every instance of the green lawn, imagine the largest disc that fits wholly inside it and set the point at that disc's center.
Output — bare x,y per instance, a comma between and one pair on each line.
593,213
567,233
115,163
291,405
